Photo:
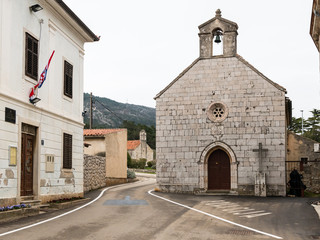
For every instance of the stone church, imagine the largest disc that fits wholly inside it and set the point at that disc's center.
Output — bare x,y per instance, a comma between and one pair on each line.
221,124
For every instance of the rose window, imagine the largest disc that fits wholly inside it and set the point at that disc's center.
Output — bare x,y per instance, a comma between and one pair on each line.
217,112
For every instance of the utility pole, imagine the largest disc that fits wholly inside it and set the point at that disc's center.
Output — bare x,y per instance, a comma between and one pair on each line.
91,115
302,122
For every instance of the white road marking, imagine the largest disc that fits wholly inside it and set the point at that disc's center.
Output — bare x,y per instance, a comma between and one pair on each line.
256,215
235,209
247,213
213,216
232,209
242,210
64,214
244,213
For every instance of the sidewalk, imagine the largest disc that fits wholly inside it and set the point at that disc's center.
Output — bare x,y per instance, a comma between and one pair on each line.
147,175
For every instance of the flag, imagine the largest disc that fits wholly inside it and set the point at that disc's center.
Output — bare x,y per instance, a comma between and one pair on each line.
41,80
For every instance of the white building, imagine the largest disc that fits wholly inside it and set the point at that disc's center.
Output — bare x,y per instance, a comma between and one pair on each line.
138,149
41,144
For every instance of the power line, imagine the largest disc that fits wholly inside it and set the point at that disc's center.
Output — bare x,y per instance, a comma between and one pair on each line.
108,109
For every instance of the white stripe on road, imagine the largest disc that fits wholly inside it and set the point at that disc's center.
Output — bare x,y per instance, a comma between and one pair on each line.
216,217
256,215
253,212
235,209
56,217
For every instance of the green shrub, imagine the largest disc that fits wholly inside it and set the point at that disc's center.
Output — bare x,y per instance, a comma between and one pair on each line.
140,164
129,160
131,174
152,164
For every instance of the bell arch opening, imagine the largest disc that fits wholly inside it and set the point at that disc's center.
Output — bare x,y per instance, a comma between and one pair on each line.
217,42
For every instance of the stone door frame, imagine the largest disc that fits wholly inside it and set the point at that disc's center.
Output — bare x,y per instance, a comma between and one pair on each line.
203,165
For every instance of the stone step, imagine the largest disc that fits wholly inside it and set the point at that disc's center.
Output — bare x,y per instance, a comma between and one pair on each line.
31,202
44,205
25,198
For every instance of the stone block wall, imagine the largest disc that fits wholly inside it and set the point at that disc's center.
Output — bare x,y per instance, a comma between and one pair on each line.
311,176
94,172
256,115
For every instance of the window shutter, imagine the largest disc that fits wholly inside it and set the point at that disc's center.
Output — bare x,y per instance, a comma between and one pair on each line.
68,73
31,61
67,151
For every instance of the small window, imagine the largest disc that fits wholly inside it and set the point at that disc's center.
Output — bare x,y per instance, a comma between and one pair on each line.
68,72
67,151
303,160
31,61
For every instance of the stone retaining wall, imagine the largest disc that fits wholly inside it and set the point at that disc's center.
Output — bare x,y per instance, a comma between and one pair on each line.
94,170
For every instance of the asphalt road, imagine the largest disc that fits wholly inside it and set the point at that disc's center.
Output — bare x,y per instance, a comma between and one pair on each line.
130,212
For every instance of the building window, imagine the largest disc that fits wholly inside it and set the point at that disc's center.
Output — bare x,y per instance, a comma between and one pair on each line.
68,72
67,151
31,61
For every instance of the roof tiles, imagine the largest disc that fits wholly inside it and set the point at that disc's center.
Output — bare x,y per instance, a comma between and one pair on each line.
100,132
133,144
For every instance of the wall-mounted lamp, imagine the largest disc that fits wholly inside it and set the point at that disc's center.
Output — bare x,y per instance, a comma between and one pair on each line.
34,100
36,8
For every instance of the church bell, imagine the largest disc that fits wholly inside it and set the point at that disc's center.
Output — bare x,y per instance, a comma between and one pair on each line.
218,39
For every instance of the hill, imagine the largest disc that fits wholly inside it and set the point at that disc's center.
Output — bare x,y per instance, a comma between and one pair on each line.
110,114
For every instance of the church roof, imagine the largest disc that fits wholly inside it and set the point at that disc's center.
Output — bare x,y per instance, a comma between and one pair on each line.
177,78
241,59
133,144
260,74
100,132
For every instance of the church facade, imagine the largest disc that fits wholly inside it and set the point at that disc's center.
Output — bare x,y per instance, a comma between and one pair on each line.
221,124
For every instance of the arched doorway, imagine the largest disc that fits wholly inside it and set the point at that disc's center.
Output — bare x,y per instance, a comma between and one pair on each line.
219,171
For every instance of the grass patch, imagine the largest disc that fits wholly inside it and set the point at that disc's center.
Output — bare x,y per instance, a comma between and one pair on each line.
311,194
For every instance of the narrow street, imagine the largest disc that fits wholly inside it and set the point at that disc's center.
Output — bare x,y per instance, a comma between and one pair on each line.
130,212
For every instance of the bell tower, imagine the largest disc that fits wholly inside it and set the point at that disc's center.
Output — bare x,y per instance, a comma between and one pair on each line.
215,30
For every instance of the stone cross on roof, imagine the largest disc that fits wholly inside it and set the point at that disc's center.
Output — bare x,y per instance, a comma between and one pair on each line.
260,151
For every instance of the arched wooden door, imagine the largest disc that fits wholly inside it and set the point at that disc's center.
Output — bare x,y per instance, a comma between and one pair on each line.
219,171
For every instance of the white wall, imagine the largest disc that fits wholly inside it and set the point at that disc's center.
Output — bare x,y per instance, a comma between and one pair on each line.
55,113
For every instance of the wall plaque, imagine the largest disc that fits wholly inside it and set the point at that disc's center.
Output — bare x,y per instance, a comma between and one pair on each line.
10,115
12,156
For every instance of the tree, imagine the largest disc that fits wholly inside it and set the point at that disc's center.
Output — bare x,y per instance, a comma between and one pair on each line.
313,126
134,132
296,125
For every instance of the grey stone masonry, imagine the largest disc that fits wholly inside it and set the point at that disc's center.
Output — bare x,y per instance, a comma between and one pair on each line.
94,172
186,136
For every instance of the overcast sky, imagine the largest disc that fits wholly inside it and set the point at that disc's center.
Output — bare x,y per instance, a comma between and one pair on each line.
145,44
